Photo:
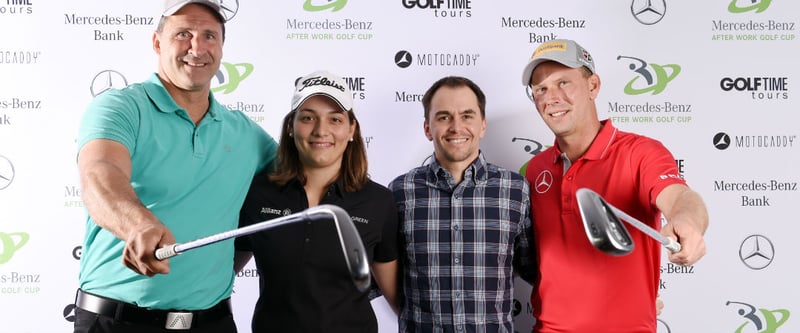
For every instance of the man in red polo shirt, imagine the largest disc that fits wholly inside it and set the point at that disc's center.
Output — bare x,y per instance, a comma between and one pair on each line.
579,288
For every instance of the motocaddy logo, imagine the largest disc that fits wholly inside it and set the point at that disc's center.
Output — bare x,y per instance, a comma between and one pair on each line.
312,6
756,252
229,76
758,88
16,7
723,141
756,6
11,243
759,320
648,12
405,59
6,172
19,57
107,80
656,77
442,8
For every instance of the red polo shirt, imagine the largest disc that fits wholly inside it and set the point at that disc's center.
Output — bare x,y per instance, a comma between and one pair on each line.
580,288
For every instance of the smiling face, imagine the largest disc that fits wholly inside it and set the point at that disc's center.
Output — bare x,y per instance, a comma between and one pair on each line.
455,126
321,131
189,46
565,97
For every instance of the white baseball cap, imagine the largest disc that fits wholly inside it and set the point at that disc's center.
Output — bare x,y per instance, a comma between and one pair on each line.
172,6
322,83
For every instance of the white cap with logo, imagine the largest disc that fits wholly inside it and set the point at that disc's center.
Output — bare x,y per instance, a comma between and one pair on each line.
564,51
322,83
172,6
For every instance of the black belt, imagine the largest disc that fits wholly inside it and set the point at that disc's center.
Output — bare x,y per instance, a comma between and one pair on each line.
168,319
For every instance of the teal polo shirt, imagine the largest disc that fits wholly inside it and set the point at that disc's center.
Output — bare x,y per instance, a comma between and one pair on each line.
193,178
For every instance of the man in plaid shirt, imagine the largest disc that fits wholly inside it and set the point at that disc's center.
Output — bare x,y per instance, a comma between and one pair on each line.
465,227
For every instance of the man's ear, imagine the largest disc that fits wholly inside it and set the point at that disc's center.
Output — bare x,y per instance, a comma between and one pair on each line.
594,86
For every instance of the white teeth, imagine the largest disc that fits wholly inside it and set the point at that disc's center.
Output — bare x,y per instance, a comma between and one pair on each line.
558,114
457,140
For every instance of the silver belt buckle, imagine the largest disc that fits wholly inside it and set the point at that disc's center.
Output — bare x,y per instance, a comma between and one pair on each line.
179,320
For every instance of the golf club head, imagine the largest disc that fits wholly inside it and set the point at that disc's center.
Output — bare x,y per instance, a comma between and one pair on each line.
350,241
603,228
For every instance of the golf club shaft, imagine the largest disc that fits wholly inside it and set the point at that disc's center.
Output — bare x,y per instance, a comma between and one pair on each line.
669,243
175,249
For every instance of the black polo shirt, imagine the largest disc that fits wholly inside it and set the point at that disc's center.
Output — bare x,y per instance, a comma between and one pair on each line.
305,284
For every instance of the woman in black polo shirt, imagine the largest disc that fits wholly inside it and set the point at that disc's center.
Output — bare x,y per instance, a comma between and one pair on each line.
304,281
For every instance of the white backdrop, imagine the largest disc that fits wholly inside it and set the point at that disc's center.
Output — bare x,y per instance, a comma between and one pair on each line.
713,80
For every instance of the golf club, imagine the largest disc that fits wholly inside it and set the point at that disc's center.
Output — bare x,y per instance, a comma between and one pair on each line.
354,254
602,223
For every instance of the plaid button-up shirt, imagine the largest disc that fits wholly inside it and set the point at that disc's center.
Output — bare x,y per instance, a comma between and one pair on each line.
460,247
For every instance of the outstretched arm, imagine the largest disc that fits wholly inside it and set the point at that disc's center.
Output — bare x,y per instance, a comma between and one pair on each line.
105,173
687,221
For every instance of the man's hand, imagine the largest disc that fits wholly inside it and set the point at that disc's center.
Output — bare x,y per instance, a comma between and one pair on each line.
141,245
693,246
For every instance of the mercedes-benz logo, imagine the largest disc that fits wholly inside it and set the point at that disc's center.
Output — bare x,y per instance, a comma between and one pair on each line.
229,8
6,172
722,141
543,182
403,59
107,80
756,252
648,12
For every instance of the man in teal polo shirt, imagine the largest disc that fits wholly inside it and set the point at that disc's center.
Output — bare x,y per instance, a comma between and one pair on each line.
162,161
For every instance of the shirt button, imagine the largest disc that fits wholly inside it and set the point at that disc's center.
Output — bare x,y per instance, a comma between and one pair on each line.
455,227
308,240
457,261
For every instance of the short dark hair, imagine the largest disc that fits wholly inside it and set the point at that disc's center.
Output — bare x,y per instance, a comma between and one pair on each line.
453,82
162,22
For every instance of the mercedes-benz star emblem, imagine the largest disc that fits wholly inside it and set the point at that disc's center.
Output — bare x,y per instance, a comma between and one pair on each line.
543,182
229,8
756,252
107,80
6,172
648,12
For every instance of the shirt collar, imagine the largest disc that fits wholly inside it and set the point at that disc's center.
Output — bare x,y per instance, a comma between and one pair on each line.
165,103
337,188
599,146
476,171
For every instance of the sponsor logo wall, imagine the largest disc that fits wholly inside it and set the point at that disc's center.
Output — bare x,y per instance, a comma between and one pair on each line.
713,80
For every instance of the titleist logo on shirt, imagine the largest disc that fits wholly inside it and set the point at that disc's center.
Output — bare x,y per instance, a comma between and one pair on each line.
320,81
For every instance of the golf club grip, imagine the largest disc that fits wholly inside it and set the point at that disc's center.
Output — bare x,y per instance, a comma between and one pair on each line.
166,252
672,245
